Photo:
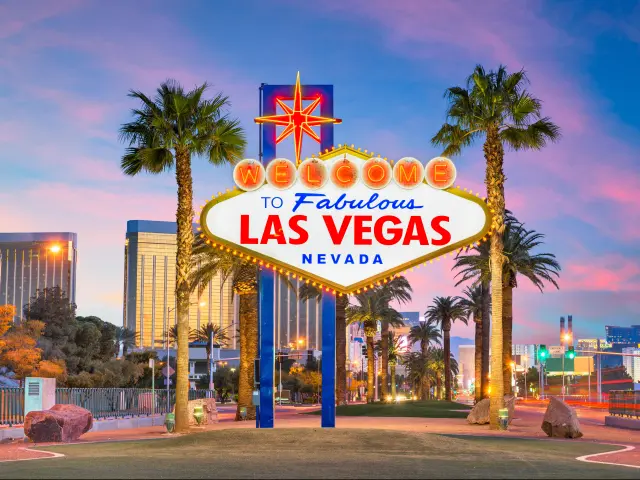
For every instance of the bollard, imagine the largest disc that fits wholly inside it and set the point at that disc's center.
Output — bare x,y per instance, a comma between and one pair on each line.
503,418
170,422
198,414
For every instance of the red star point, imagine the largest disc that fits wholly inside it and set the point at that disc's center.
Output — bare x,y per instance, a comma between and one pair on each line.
297,120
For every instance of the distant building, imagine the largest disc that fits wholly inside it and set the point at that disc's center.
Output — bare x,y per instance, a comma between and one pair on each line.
591,344
623,335
410,319
524,355
466,365
149,287
34,261
632,364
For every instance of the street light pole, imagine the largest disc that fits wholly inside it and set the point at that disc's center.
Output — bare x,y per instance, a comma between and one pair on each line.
168,377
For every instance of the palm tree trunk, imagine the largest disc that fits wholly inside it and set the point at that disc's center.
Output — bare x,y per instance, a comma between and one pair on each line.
184,239
478,358
341,349
447,361
384,343
248,319
507,330
486,337
371,374
393,380
438,386
494,155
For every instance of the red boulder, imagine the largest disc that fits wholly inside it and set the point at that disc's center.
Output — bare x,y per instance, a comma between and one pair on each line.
63,423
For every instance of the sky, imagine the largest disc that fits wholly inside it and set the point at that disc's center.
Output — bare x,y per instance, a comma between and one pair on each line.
66,67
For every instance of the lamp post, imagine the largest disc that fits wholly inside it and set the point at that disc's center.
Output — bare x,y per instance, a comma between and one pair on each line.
524,358
567,337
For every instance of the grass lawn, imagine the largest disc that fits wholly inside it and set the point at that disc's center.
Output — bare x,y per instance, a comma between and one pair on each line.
425,409
317,453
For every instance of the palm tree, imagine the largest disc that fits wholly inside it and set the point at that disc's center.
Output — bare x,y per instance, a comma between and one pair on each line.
419,372
445,311
425,333
125,338
400,291
519,259
173,334
165,133
244,283
394,352
473,304
244,278
438,364
496,106
211,334
307,292
372,307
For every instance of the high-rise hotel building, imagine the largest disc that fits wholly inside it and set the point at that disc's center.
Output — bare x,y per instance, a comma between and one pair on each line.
149,295
149,287
34,261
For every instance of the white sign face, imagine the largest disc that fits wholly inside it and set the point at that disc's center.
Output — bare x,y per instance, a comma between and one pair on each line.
345,239
556,350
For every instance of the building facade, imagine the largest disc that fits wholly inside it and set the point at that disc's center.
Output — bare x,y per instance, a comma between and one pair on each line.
632,364
149,295
623,335
525,355
34,261
466,365
149,287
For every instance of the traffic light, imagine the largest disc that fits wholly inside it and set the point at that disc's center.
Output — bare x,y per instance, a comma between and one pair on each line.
543,353
364,350
570,354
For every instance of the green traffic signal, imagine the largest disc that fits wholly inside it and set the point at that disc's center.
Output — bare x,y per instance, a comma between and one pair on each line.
543,352
571,354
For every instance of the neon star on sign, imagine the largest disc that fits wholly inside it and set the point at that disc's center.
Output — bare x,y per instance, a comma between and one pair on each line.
305,223
297,120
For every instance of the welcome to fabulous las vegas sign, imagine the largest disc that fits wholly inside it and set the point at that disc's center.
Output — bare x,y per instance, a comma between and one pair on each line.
346,220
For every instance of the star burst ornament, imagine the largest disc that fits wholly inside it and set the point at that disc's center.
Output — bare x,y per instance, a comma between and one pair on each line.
297,120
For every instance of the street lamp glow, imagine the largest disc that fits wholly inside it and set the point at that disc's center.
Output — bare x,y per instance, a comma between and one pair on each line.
567,337
202,304
54,248
301,341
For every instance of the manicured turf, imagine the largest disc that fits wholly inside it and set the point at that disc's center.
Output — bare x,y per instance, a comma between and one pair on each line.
317,453
426,409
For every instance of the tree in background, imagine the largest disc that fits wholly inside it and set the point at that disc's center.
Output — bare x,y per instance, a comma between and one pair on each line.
371,307
164,134
472,302
399,290
394,350
211,333
7,313
445,311
125,339
107,345
496,106
52,307
424,333
307,292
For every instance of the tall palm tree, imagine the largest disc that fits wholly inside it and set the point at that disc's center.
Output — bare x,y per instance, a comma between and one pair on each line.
419,372
473,304
395,352
209,334
438,365
166,131
211,262
307,292
125,339
496,106
445,311
371,307
244,283
425,333
539,268
400,291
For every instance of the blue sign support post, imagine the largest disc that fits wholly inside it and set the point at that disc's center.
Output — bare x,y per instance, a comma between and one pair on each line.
265,413
267,350
328,360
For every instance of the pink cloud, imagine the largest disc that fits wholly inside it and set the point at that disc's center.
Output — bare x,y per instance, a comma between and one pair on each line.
17,15
612,272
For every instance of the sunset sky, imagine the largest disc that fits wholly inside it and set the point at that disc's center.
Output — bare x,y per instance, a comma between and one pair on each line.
66,67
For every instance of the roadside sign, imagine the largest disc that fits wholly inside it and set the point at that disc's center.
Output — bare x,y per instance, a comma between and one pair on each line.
164,371
557,350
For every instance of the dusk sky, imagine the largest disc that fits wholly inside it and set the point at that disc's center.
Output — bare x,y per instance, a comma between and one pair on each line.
66,67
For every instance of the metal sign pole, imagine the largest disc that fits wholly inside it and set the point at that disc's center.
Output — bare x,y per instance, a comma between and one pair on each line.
328,360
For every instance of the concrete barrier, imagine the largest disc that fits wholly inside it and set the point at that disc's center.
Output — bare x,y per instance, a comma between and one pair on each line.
622,422
17,433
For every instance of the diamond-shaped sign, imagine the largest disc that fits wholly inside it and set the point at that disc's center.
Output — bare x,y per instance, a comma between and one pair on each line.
164,371
345,239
